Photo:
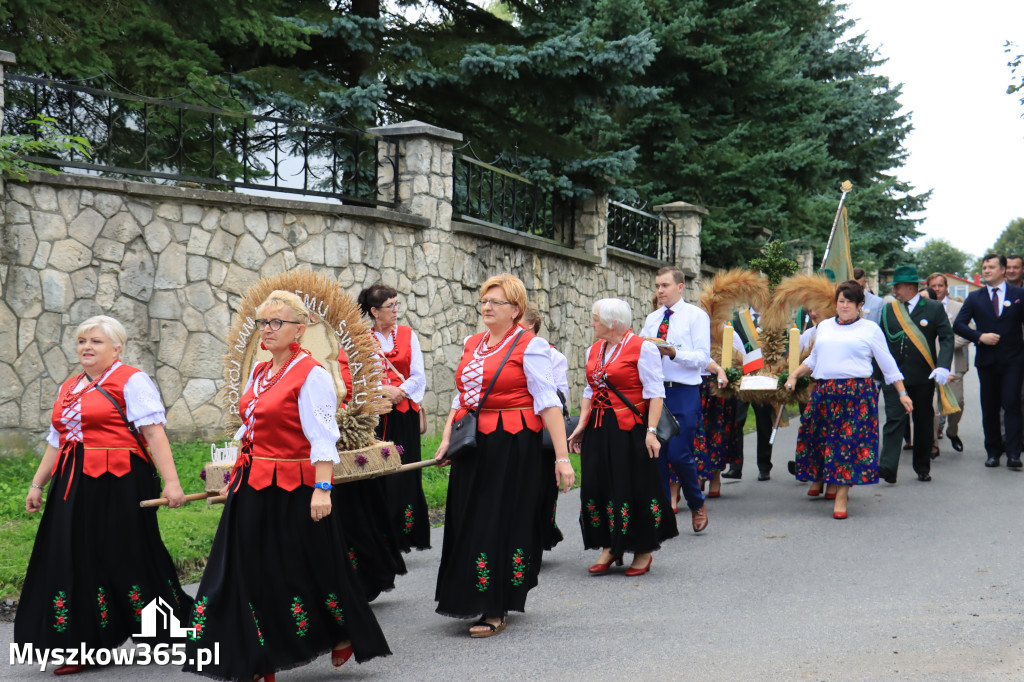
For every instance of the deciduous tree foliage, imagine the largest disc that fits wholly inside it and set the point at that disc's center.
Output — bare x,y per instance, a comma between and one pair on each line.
1011,240
755,109
938,255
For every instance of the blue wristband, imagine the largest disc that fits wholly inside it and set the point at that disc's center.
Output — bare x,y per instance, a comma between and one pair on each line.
323,485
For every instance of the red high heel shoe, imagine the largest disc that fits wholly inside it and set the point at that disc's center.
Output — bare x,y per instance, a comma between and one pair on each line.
69,669
630,572
813,493
599,567
340,656
830,496
839,515
269,677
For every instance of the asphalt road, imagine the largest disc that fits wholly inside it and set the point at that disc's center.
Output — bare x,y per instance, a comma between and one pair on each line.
922,582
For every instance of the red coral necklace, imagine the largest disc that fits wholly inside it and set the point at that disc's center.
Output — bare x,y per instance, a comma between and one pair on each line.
72,395
267,384
483,351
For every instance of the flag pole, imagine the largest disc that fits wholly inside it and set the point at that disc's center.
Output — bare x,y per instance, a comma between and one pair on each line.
845,187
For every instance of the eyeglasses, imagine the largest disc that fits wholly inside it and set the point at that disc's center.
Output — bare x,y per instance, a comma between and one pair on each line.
391,306
274,324
494,303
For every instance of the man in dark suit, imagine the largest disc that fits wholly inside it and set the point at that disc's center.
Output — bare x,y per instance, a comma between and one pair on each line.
998,315
919,373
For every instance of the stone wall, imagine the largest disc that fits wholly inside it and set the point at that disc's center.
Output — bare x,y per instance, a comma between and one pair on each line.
171,263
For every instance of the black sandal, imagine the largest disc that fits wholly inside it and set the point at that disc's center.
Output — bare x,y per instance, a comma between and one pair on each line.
495,629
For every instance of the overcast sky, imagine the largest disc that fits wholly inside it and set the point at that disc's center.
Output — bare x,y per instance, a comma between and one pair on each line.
968,138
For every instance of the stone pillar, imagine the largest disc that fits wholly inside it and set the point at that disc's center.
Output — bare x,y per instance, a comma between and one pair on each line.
592,227
424,185
805,261
6,251
686,219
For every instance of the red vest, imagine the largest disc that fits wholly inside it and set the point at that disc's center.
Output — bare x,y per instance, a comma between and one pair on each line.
623,372
510,401
401,357
278,443
108,444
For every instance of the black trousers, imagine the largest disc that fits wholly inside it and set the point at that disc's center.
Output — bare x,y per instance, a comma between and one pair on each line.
765,418
896,420
1000,390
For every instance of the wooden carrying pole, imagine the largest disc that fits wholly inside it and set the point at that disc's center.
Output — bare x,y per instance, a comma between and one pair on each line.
214,498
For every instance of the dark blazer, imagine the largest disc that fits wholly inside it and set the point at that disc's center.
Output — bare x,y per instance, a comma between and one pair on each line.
930,318
1009,325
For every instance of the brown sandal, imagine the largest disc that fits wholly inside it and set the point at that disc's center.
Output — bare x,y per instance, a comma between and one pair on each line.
495,629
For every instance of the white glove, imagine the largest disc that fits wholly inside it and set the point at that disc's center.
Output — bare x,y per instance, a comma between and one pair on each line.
940,374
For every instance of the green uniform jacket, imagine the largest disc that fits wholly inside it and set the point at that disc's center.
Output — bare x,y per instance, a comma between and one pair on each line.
930,318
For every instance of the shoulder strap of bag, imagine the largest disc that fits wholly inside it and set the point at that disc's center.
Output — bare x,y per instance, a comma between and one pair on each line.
124,417
393,368
480,405
623,398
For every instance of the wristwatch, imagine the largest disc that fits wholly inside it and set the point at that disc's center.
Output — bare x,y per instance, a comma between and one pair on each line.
652,429
323,485
903,393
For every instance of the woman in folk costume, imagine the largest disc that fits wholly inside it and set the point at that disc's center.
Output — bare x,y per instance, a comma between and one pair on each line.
495,517
560,377
716,428
98,558
278,590
373,545
404,385
623,503
837,445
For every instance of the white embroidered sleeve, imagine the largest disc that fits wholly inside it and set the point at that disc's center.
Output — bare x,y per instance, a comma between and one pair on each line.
537,366
142,402
649,367
318,403
53,438
880,351
415,385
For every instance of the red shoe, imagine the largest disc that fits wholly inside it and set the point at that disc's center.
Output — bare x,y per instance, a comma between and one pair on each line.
838,515
631,572
269,677
69,669
599,568
340,656
830,496
813,492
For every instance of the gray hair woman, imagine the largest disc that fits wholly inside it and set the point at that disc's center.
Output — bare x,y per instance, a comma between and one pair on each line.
624,508
96,551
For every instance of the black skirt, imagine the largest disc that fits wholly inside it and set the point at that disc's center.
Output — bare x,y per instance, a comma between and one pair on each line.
373,547
278,590
407,506
549,501
494,527
98,560
622,500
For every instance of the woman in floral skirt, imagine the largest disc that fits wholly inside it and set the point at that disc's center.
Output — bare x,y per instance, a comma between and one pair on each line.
838,441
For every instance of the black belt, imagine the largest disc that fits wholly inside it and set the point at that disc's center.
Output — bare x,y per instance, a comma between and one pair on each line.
672,384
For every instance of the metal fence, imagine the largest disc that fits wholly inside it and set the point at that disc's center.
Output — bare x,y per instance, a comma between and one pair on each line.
489,195
641,232
162,140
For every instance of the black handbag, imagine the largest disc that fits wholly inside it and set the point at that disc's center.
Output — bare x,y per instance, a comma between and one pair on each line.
462,442
547,446
668,426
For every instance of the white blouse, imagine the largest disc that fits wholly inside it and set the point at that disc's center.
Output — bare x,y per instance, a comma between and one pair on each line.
538,368
143,406
560,373
650,369
806,338
318,405
415,385
845,351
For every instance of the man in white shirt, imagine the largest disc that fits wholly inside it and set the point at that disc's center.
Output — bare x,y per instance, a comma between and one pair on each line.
687,329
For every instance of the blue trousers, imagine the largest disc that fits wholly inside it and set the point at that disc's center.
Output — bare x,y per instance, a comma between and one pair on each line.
684,403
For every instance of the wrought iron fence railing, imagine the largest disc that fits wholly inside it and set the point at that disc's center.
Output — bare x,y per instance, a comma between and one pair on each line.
161,140
489,195
640,232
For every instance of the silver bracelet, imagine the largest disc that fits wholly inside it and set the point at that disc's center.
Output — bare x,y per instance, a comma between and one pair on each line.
561,460
35,485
